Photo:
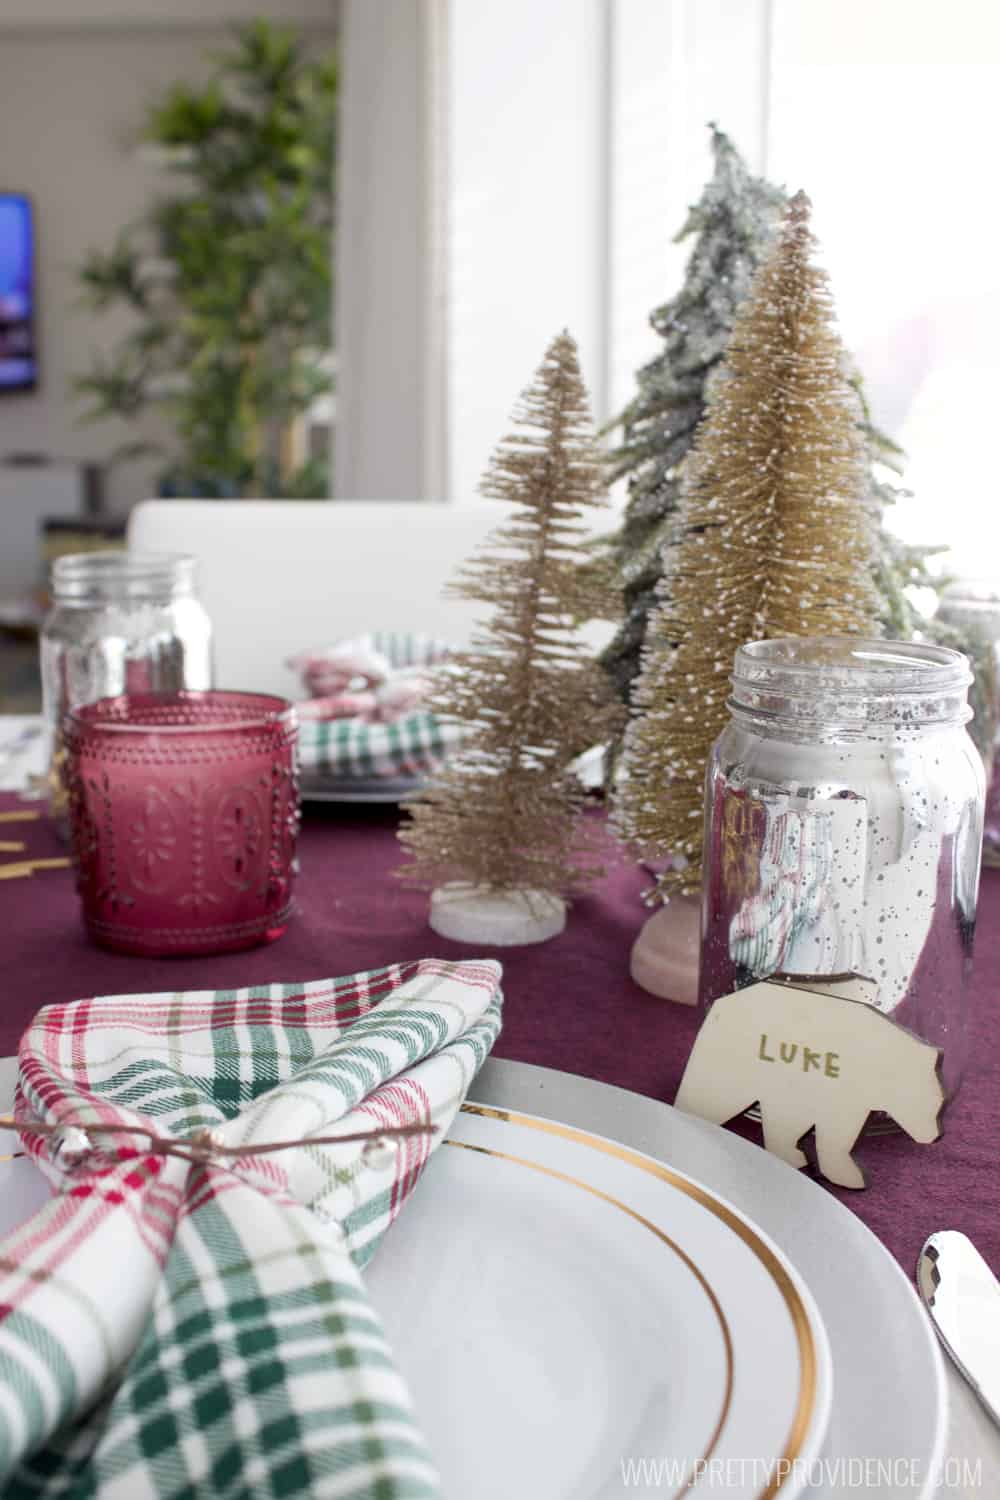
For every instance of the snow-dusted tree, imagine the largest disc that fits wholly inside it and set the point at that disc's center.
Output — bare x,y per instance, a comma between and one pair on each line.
732,223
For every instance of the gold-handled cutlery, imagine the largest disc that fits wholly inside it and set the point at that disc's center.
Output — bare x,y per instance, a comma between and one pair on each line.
20,868
17,869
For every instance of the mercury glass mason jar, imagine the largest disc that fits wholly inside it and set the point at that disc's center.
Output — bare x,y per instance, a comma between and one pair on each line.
843,828
120,622
972,607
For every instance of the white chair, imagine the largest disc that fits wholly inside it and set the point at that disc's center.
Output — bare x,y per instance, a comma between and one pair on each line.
280,575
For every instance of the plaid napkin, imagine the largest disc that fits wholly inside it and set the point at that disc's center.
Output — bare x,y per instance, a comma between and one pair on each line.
416,744
177,1330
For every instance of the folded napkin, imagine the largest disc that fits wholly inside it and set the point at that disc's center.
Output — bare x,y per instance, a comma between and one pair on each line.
360,719
170,1329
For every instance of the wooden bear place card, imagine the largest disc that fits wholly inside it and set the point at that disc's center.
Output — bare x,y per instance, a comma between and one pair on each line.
812,1053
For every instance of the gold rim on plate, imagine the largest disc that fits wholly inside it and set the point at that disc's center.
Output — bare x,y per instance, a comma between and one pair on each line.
808,1362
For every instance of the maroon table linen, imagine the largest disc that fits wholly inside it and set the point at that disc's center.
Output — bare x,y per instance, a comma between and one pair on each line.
569,1003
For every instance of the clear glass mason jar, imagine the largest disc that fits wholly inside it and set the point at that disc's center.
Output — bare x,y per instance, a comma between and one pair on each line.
120,622
843,828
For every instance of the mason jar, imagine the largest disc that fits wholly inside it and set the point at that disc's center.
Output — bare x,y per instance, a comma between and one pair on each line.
843,829
120,622
970,607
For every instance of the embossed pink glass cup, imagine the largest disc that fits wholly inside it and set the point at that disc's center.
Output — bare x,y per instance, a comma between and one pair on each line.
184,811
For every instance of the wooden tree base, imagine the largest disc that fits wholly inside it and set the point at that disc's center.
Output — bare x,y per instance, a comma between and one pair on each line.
665,954
495,919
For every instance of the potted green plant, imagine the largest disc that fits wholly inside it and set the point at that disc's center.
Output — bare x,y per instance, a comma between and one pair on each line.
229,276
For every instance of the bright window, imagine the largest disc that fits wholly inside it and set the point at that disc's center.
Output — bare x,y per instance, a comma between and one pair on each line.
887,114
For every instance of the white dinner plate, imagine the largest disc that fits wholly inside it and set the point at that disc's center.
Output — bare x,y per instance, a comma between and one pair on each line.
577,1321
316,788
620,1327
889,1423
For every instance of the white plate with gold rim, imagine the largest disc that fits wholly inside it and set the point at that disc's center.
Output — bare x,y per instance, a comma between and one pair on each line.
622,1328
317,788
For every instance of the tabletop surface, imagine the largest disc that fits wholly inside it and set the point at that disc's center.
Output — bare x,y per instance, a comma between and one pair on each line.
569,1005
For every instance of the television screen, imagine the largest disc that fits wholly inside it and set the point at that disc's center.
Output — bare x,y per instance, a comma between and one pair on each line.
18,360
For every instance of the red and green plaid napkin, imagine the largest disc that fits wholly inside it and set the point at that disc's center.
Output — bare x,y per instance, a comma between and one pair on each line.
415,744
177,1330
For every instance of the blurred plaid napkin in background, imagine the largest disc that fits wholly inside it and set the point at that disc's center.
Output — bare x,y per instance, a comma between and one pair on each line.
363,717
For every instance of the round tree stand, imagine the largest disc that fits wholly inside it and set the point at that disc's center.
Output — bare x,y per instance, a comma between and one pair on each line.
495,919
665,954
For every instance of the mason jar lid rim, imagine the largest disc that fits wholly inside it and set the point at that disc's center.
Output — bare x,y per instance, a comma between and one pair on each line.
938,666
77,565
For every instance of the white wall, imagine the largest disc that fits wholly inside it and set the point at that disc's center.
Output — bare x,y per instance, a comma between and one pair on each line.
908,222
390,316
67,104
60,14
528,208
676,65
538,171
577,138
74,84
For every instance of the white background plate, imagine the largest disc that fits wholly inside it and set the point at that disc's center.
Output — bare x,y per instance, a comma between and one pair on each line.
317,788
562,1308
890,1417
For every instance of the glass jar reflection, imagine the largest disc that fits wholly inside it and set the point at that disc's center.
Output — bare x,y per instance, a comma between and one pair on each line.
844,827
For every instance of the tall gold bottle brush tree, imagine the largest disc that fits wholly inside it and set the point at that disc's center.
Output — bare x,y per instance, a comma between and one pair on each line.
774,539
501,835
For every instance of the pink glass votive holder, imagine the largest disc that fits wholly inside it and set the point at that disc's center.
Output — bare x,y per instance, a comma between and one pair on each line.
184,811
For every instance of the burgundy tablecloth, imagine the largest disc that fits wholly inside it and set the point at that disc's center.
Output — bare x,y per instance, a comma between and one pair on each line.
569,1003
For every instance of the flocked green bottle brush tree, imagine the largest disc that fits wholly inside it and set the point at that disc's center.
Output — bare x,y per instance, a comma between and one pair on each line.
730,227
